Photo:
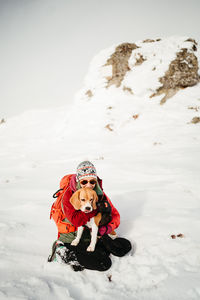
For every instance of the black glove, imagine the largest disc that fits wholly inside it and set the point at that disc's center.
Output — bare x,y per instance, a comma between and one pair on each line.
104,207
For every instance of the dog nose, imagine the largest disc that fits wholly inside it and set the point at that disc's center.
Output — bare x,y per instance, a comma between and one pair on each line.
88,208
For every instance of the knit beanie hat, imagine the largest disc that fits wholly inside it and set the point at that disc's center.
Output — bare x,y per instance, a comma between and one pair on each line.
86,169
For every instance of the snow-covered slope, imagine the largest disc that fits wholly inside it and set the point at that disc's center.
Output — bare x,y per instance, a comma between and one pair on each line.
148,157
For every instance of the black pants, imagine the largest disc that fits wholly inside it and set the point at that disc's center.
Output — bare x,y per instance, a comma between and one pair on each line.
99,259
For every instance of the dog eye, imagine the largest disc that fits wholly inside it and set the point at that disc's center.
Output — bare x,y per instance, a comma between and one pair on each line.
91,199
83,200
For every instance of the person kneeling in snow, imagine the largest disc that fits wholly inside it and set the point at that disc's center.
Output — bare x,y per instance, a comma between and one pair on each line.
77,256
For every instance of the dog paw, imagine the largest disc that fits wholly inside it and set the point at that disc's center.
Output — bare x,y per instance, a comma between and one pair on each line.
90,248
74,242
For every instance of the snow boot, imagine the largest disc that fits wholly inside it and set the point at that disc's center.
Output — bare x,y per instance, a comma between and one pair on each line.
67,256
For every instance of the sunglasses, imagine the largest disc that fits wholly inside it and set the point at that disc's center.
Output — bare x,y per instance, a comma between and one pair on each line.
84,182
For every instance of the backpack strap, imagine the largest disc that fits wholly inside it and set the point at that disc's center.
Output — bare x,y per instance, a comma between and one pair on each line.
55,195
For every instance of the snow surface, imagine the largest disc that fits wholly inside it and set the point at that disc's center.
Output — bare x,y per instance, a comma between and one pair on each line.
150,169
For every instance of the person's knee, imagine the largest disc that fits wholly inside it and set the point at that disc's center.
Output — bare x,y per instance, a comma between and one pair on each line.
118,247
94,260
105,265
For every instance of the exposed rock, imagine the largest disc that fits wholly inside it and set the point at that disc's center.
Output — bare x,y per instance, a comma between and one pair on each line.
128,89
196,108
194,47
182,73
139,60
195,120
119,62
168,94
2,121
135,116
109,127
151,41
140,69
173,236
89,93
180,235
148,41
192,40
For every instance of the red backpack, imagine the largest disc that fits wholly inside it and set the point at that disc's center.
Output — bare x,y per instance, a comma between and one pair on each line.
56,209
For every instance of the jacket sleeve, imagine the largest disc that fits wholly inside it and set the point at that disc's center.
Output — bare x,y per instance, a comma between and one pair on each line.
114,223
76,217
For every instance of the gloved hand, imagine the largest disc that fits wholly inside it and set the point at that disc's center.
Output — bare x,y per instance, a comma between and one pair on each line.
105,229
104,207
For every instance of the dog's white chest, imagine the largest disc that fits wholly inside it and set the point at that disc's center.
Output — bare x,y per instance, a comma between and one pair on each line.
90,223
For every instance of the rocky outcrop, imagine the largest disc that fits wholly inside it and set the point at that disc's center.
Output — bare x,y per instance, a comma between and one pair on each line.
123,80
182,73
119,62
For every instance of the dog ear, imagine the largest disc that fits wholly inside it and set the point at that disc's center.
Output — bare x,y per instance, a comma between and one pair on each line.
95,200
75,200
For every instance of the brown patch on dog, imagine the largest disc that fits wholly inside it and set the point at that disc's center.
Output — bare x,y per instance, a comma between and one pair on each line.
97,219
75,200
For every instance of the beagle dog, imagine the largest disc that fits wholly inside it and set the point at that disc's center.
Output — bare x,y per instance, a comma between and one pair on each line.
85,199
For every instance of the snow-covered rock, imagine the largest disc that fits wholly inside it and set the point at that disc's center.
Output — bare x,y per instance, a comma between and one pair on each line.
124,80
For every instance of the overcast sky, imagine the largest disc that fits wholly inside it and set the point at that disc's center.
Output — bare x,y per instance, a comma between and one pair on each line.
46,45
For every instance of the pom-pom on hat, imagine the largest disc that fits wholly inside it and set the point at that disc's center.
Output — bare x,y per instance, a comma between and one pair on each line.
86,169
